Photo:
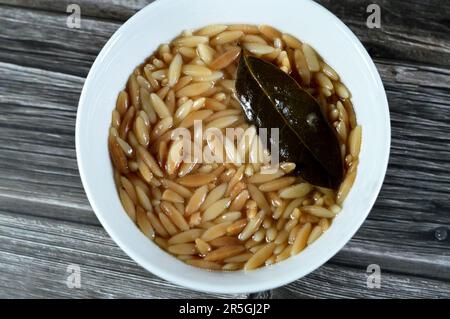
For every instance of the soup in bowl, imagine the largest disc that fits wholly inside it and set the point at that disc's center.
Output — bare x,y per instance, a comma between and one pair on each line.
248,222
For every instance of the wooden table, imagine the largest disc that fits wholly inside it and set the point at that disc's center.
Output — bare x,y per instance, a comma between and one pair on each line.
46,223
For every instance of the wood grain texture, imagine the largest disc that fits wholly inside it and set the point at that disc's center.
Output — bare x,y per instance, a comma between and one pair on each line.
46,221
101,9
49,247
41,39
416,32
346,282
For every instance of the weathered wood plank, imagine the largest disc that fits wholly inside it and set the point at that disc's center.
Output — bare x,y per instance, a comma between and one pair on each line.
332,281
398,246
419,33
39,174
35,254
42,39
32,37
103,9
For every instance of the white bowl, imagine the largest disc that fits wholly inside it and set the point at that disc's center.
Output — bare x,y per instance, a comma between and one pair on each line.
159,23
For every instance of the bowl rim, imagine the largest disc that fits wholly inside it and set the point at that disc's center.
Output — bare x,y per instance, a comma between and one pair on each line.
206,287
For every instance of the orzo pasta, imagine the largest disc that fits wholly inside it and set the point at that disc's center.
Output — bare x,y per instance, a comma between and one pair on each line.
209,214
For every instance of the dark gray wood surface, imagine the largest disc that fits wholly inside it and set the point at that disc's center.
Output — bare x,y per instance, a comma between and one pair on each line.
46,222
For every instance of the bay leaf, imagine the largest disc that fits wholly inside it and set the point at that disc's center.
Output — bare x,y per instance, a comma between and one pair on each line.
271,98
